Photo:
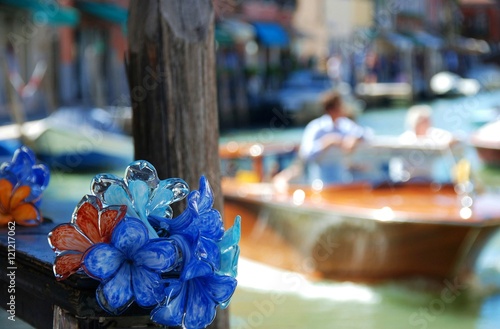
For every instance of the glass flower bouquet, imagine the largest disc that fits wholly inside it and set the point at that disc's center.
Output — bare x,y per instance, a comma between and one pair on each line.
124,235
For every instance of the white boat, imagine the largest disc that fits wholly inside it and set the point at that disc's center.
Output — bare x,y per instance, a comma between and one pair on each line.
486,141
74,139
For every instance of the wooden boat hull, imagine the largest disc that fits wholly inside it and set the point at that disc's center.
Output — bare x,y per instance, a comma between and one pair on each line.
490,156
344,245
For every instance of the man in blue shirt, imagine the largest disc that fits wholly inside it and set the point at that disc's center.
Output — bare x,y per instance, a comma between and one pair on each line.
333,130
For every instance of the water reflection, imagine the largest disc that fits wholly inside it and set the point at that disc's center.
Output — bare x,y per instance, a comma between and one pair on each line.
270,298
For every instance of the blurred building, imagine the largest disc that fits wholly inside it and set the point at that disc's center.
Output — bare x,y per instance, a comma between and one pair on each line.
415,40
328,25
29,52
254,54
77,48
94,74
481,20
82,45
62,53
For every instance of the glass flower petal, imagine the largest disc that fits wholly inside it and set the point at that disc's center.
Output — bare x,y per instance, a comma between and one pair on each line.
66,264
68,237
206,195
195,269
229,249
171,312
103,261
6,188
86,217
117,194
169,191
18,195
146,286
108,218
142,170
200,311
26,214
118,291
130,237
157,255
219,287
210,252
5,218
139,191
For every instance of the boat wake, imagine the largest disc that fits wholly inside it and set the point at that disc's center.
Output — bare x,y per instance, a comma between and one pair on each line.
264,278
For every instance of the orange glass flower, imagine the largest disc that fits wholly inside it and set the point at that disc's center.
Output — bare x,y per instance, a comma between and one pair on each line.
14,208
91,224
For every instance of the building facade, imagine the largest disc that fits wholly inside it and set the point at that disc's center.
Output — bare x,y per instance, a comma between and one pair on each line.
71,51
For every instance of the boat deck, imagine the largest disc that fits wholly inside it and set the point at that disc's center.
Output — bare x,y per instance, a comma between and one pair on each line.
432,203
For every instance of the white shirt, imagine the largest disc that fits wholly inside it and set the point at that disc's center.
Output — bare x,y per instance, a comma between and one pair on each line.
311,147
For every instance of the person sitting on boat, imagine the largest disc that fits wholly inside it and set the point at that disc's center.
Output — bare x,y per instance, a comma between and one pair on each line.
431,142
419,128
332,130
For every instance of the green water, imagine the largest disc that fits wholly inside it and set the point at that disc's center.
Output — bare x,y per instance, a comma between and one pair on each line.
271,299
386,306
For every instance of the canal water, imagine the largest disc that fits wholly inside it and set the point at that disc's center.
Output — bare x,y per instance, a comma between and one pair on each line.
268,298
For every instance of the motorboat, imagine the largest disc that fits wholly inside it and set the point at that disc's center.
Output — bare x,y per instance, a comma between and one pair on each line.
396,226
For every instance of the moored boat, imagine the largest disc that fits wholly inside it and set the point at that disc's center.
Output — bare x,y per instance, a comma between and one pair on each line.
365,230
74,139
486,141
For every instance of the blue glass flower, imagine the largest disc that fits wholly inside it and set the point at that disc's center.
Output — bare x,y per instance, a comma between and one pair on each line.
130,266
199,214
24,170
198,221
192,299
141,191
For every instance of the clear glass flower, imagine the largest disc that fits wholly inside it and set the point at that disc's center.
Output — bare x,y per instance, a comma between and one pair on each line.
141,191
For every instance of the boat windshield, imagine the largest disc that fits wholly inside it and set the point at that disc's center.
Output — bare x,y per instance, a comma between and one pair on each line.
384,159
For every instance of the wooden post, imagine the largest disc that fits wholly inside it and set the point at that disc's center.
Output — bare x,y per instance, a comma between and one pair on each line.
63,319
171,70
